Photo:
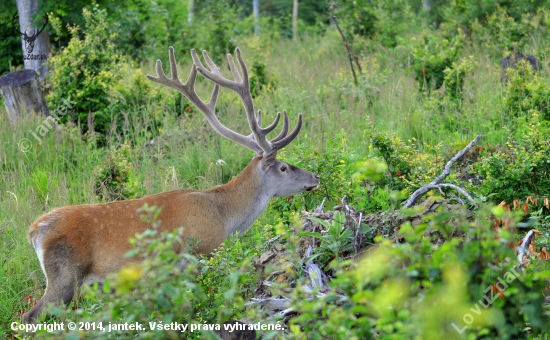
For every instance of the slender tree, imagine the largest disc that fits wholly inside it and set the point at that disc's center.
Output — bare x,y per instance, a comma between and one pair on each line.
295,20
35,41
191,11
256,10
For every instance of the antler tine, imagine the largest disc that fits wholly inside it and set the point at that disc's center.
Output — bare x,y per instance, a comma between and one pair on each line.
286,140
284,130
234,69
271,127
174,69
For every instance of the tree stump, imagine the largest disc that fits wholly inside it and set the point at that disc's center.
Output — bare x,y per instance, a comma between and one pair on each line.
22,94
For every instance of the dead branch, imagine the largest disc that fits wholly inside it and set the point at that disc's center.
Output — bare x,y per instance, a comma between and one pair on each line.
273,304
436,183
522,249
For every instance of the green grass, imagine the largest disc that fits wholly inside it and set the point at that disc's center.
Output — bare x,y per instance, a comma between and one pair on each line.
314,79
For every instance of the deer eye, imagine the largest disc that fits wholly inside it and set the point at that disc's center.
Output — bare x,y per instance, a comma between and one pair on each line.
283,168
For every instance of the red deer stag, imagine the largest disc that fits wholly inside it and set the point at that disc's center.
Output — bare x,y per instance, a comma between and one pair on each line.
79,245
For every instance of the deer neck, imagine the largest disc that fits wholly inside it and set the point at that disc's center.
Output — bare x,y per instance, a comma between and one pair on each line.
242,200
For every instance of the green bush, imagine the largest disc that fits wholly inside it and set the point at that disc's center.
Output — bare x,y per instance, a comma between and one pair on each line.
526,93
116,179
455,76
431,55
428,289
330,165
522,168
85,71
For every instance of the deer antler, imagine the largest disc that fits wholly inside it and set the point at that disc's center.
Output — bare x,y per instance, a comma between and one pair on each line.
188,90
241,86
257,141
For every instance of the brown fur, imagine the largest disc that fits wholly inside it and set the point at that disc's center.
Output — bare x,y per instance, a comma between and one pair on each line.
91,239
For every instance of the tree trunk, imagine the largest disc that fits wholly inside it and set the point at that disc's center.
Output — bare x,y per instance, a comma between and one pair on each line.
22,94
295,20
34,41
191,11
256,11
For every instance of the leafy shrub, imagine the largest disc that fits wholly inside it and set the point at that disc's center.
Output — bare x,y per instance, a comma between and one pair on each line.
425,288
335,241
143,27
261,81
502,32
526,92
215,32
431,55
85,71
522,169
455,76
330,165
116,179
407,167
379,20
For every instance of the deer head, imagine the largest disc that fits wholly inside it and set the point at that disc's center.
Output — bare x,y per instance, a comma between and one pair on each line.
257,140
29,39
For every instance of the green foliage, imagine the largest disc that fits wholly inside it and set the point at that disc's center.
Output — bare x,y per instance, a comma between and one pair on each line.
330,165
455,76
116,179
503,32
261,80
10,41
227,278
431,55
143,27
335,239
468,13
85,71
216,31
526,93
419,288
379,20
522,168
407,168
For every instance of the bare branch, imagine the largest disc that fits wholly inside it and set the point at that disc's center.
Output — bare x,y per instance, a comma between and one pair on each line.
522,249
436,183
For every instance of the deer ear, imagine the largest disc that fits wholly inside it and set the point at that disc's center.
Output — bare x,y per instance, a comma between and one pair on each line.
268,159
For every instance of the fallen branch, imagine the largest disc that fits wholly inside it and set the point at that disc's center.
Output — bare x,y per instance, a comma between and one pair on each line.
316,275
522,249
273,304
436,183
